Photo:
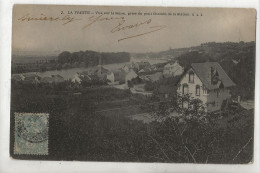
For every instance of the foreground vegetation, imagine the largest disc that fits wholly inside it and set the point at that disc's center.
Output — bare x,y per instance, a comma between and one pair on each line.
78,132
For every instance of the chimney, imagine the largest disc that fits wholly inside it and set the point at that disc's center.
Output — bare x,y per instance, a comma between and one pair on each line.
214,76
209,74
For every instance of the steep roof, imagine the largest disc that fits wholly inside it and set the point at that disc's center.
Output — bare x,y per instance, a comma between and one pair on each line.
132,73
203,69
127,65
119,75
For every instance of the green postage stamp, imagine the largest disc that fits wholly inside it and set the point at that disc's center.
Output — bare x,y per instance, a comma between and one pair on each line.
31,133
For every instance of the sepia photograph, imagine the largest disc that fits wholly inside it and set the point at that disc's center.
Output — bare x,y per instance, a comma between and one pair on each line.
133,84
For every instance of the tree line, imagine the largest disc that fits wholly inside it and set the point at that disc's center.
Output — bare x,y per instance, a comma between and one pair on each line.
92,58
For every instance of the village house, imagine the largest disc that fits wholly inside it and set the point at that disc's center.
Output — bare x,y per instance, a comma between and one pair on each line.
154,77
30,78
141,65
79,77
131,75
127,68
110,77
17,77
144,78
53,79
154,67
172,69
119,76
207,82
145,71
76,78
100,72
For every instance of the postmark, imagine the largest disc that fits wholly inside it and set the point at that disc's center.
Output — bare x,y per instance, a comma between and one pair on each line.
31,133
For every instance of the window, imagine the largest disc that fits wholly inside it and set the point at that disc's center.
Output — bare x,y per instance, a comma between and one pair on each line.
185,89
185,104
205,90
197,90
191,77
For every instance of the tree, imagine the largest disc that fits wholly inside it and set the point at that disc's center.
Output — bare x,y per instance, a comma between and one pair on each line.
182,133
64,57
150,86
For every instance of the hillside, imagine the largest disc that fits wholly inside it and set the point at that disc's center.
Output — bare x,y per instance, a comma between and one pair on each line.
167,54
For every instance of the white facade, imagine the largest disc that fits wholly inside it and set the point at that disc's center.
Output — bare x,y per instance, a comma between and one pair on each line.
76,78
129,76
126,68
22,76
111,77
201,94
192,85
173,69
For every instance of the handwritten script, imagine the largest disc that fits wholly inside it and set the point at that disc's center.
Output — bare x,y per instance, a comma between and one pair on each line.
121,25
66,19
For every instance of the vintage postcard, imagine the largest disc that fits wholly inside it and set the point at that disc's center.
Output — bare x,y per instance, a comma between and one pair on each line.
133,84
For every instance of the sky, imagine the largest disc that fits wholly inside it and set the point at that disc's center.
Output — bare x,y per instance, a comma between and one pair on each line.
124,32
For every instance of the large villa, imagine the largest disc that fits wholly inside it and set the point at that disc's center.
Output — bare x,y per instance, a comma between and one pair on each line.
207,82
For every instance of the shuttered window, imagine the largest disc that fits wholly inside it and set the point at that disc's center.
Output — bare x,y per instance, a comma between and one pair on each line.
197,90
185,89
191,77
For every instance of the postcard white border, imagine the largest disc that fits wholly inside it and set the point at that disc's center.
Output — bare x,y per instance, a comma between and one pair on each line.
7,164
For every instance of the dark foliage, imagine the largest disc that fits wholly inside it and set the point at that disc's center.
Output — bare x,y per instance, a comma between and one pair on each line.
78,132
186,59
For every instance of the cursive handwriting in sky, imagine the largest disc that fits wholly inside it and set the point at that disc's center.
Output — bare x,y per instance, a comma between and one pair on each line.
43,28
